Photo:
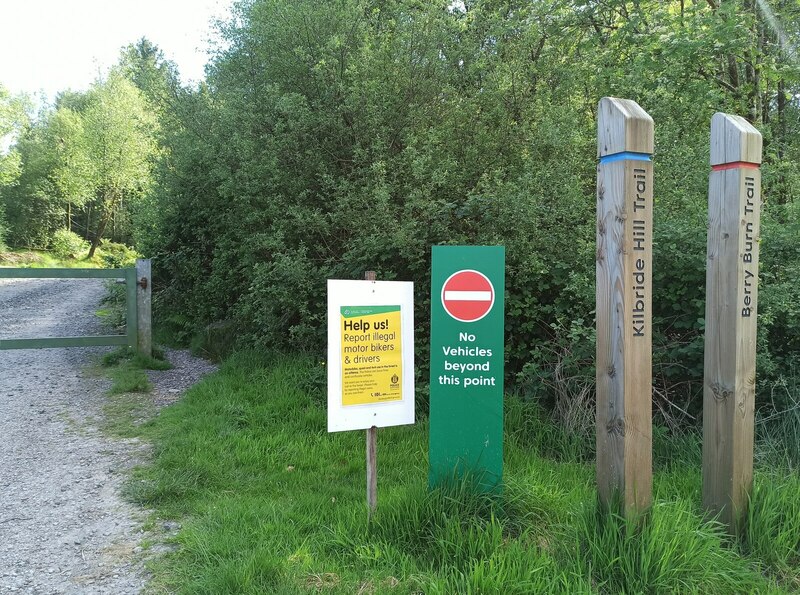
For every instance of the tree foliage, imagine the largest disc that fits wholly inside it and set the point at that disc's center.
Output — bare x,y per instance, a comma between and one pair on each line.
120,145
13,118
333,138
81,162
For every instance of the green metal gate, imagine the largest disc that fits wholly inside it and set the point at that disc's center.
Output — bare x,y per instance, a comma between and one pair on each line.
130,338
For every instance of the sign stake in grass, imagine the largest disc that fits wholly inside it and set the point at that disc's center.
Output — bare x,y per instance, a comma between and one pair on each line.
467,340
370,361
144,288
734,210
624,297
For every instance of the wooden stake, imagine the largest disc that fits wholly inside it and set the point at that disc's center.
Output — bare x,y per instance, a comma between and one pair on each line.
734,206
372,469
624,292
144,288
372,449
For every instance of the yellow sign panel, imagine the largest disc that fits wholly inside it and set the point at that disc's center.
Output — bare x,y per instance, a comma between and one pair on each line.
372,363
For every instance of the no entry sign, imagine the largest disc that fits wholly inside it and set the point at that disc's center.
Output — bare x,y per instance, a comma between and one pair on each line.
467,295
466,420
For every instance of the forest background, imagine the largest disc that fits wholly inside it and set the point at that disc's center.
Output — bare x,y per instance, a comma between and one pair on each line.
330,138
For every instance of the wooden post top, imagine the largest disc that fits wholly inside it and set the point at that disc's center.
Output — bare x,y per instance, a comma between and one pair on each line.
623,127
734,140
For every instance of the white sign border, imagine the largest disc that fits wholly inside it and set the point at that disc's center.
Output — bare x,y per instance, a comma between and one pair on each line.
369,293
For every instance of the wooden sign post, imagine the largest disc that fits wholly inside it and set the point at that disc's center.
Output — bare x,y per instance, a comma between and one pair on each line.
624,296
370,361
734,206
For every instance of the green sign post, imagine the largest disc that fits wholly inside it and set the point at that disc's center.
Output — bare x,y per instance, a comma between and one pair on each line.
466,418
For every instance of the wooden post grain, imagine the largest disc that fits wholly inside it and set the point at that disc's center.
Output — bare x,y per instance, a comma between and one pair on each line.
144,287
734,206
624,292
372,448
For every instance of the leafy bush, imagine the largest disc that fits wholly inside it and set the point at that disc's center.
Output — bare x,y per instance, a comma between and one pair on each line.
778,425
117,256
67,244
216,341
363,156
779,296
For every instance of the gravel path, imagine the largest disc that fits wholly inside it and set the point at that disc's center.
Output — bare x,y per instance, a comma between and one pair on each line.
63,526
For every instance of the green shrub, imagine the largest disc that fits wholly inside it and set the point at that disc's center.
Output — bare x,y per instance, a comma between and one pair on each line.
215,341
679,290
779,299
67,244
360,159
778,425
117,256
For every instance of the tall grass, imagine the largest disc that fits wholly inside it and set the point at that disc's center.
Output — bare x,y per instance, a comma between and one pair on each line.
127,368
671,550
772,533
40,259
269,502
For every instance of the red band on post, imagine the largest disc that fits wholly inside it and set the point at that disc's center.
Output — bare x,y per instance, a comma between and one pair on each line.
734,165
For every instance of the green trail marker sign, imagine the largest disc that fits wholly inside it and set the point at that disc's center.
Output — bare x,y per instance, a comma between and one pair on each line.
466,421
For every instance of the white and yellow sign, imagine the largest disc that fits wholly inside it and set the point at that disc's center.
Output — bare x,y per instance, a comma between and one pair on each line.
370,354
372,358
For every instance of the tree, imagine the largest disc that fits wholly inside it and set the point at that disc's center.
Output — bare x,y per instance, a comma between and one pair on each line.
34,208
91,155
143,64
13,118
119,143
332,138
71,169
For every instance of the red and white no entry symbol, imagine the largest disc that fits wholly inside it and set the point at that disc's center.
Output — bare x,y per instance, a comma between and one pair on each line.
468,295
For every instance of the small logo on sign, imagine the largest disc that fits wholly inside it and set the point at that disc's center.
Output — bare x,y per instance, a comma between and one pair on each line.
395,379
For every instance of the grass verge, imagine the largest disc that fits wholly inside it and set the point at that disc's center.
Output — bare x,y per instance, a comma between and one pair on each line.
269,502
128,406
40,259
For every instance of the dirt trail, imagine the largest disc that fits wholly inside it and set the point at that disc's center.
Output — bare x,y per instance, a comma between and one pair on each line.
63,526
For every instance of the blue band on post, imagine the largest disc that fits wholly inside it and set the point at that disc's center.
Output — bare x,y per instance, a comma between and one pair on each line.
625,155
